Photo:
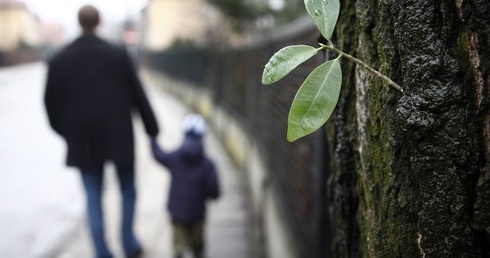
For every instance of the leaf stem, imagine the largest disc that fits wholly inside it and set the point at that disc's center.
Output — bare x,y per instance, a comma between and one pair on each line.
364,65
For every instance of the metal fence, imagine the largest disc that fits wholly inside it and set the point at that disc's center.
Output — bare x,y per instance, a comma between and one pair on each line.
297,171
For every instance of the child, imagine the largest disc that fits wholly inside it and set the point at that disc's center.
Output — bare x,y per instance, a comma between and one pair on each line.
194,180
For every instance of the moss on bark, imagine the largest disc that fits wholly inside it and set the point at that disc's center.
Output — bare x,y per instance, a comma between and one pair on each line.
411,170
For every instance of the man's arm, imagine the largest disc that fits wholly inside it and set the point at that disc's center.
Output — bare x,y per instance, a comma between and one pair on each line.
53,98
140,99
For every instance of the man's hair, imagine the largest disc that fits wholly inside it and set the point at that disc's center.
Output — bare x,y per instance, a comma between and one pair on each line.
88,17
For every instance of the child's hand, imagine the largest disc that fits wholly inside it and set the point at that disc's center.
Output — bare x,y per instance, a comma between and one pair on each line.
155,148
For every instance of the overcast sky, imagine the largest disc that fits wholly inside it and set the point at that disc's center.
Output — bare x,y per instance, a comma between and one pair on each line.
65,11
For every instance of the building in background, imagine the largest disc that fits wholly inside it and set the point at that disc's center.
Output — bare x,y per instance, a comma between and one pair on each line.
20,33
165,23
54,38
53,34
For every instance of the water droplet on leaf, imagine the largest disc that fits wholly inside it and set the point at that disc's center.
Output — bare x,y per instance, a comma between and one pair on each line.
318,12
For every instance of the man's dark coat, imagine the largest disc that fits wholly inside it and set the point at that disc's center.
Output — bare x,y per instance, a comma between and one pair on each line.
91,90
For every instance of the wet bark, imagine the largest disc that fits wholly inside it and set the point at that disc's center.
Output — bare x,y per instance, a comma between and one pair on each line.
411,171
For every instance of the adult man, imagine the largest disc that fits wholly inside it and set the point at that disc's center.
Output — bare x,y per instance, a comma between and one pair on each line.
91,90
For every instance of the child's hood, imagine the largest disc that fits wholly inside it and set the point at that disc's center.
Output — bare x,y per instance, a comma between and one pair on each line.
192,148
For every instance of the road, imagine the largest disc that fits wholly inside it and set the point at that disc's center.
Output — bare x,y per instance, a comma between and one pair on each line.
42,213
38,191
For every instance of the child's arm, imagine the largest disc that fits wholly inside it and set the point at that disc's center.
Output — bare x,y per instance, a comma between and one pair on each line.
158,153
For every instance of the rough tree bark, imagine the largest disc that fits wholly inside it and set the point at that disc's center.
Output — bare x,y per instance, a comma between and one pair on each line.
411,171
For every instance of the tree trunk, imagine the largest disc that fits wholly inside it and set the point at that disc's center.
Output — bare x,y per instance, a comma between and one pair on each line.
411,170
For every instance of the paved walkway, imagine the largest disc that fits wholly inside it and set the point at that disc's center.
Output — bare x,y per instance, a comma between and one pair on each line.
227,224
41,197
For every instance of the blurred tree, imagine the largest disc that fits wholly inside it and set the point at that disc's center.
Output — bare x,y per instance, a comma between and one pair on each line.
290,10
183,44
249,15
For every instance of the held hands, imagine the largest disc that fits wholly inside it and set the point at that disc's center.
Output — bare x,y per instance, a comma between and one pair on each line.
156,150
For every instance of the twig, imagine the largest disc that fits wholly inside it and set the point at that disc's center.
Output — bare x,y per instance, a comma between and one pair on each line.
365,66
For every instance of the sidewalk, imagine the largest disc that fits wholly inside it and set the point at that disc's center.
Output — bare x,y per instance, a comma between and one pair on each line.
227,222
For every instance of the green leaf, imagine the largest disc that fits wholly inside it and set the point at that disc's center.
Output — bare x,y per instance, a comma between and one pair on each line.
315,100
324,14
284,61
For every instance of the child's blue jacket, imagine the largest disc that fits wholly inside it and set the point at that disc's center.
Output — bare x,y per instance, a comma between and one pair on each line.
194,179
